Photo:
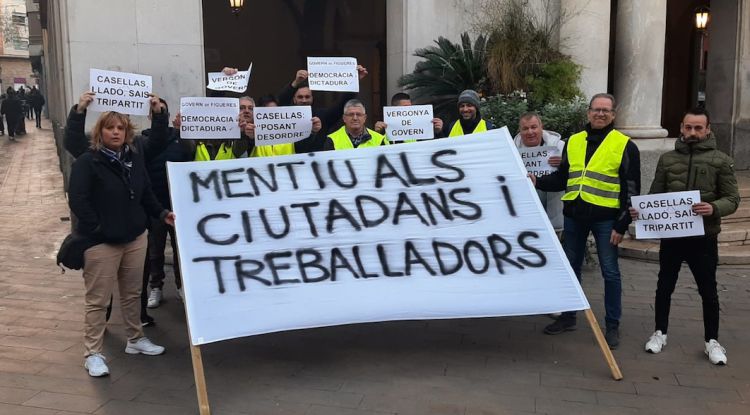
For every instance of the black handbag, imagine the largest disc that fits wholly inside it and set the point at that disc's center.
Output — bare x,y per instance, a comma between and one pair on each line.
70,254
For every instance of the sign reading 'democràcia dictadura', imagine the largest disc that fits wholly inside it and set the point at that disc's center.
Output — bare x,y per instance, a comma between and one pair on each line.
438,229
332,74
219,81
409,122
667,215
126,93
209,118
536,159
281,125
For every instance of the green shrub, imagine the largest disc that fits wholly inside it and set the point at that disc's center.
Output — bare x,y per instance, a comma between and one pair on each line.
566,117
503,110
554,82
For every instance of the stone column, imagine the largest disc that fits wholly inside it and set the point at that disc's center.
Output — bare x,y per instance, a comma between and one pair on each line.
639,66
584,36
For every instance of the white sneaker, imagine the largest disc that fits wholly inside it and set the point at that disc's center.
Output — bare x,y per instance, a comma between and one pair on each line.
143,346
716,354
154,298
656,342
96,365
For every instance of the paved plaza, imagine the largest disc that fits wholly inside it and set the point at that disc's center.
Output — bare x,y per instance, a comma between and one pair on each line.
462,367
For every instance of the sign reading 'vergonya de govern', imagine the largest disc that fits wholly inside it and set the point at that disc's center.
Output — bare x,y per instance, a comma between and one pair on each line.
536,159
209,118
123,92
219,81
280,125
409,122
667,215
438,229
332,74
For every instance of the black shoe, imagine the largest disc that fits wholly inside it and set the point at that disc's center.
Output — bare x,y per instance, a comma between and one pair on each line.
612,336
560,325
147,321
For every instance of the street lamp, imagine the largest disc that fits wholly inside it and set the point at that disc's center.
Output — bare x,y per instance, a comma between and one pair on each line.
701,18
236,6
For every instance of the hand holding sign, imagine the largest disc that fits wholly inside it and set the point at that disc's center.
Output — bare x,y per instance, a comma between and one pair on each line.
83,102
299,78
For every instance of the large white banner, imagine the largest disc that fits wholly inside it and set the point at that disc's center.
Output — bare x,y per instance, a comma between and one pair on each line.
209,118
219,81
536,159
281,125
123,92
450,228
412,122
332,74
667,215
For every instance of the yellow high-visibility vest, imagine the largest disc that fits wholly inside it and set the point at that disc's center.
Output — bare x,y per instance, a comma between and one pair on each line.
274,150
458,130
341,140
224,153
597,182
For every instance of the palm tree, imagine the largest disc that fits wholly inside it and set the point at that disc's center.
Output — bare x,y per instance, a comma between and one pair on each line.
447,69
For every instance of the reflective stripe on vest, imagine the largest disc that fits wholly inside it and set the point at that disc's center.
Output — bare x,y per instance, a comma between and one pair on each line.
597,182
275,150
458,130
224,153
341,140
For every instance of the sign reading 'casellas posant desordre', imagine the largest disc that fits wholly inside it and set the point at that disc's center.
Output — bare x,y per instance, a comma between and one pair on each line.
126,93
209,118
333,74
436,229
281,125
667,215
409,122
536,159
219,81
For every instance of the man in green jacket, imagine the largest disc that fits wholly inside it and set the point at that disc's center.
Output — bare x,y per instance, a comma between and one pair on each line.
694,164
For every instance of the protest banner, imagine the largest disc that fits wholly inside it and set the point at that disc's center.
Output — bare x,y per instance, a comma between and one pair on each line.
333,74
126,93
219,81
440,229
281,125
536,159
409,122
209,118
667,215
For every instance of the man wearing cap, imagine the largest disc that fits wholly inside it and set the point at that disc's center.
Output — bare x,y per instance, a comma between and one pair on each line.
469,119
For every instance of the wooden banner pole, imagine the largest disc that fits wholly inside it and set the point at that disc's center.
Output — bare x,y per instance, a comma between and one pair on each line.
200,380
616,374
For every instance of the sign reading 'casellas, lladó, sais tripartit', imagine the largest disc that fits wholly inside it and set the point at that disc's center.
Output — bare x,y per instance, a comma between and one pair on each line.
126,93
438,229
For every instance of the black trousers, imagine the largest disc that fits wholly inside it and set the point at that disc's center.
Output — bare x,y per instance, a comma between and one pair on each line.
38,112
702,256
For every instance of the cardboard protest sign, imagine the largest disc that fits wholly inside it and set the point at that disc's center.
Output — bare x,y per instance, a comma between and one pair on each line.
667,215
333,74
126,93
450,228
209,118
281,125
409,122
219,81
536,159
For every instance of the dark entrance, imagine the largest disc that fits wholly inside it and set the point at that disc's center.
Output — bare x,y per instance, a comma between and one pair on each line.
278,36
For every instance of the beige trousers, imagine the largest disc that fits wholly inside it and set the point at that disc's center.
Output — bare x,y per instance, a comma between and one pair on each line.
106,264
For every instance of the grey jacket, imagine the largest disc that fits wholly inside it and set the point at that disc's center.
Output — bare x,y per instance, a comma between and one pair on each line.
552,201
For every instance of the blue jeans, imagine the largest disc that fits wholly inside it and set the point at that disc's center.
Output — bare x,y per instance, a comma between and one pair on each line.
575,233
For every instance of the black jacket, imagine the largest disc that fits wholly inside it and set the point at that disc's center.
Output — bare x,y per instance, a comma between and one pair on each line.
37,101
109,207
630,183
12,107
156,167
76,142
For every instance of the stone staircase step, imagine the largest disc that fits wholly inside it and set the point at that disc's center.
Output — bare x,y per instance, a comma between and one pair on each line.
649,250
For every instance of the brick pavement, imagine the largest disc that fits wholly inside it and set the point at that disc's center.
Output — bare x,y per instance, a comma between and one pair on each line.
465,367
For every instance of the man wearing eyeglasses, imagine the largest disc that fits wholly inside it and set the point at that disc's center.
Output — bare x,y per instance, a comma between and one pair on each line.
599,172
354,134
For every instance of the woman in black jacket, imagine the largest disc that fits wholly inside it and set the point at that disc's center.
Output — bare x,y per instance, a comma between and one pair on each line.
13,112
110,194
